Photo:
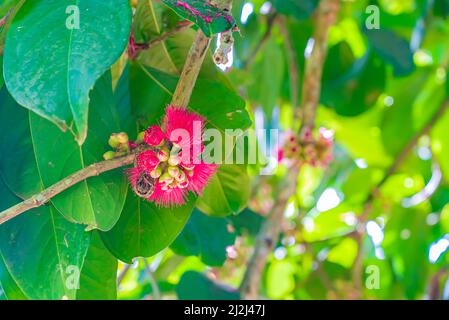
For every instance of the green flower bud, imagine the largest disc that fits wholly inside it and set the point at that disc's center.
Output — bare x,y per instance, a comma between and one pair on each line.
109,155
140,137
122,138
174,160
156,173
181,176
163,154
114,140
166,178
173,171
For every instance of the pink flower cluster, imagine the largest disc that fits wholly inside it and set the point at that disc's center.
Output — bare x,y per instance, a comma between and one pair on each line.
172,164
317,152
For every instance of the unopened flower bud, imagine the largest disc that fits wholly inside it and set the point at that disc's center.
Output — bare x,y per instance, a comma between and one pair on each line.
174,160
163,154
188,167
114,140
109,155
140,137
166,178
156,173
173,171
122,138
181,176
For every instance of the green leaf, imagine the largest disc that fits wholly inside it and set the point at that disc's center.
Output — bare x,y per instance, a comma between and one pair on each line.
247,222
352,86
53,75
9,286
440,144
41,250
206,16
227,192
98,279
41,155
204,288
144,229
267,74
393,49
205,237
151,90
299,9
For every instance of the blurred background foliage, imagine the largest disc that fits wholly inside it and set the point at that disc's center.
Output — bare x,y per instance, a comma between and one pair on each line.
380,88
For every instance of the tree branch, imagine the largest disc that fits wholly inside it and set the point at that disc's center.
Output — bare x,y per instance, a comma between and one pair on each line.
293,68
311,91
269,234
367,208
43,197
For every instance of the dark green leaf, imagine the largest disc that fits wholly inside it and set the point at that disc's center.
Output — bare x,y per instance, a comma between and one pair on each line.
205,237
144,229
298,9
98,280
41,250
205,289
52,75
40,155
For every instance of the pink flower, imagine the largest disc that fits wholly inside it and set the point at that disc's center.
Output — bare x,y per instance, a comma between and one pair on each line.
172,167
154,136
147,160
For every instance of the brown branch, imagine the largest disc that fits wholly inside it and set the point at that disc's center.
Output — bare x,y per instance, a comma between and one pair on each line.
367,208
191,70
326,15
293,68
269,234
43,197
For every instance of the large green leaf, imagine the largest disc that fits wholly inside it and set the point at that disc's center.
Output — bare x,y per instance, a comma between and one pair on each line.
204,14
144,229
393,49
98,279
8,285
266,77
150,91
205,237
203,288
227,192
352,86
40,155
42,251
52,64
298,9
